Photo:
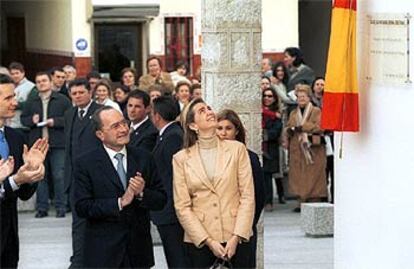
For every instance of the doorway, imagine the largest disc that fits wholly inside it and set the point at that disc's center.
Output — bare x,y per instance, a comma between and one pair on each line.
118,46
314,32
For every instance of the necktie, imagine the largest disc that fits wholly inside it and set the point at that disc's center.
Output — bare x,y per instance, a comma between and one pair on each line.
81,114
120,169
4,147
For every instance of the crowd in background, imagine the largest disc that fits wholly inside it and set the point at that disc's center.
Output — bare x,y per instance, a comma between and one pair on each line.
198,184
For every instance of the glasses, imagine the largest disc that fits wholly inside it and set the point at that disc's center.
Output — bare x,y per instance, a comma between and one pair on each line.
118,125
267,95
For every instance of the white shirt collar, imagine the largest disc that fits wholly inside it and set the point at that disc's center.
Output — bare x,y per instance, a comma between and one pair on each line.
112,152
135,126
86,108
165,127
2,128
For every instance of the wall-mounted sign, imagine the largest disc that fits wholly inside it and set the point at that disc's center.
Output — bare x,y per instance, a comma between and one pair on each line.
388,48
82,47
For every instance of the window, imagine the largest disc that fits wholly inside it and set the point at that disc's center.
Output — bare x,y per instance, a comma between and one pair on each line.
178,42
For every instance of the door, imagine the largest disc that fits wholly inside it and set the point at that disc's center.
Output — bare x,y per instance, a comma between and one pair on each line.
118,46
16,40
314,32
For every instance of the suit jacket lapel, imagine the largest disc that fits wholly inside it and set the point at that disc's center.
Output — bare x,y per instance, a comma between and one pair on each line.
222,159
88,115
196,164
108,169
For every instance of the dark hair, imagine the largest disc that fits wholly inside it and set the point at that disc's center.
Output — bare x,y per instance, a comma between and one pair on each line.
194,87
181,83
96,117
190,136
181,64
55,69
43,73
153,57
17,66
165,107
266,77
126,70
123,88
231,115
275,105
138,94
297,53
5,79
285,77
314,81
93,74
80,82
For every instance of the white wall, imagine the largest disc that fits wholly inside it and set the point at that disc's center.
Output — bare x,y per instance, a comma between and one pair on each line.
280,23
81,29
374,213
48,24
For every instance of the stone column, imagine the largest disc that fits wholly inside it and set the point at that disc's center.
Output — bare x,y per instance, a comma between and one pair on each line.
231,56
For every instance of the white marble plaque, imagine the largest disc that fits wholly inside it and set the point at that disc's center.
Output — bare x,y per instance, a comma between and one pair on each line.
388,48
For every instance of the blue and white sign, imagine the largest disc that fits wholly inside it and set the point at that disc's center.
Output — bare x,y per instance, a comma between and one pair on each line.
81,44
81,47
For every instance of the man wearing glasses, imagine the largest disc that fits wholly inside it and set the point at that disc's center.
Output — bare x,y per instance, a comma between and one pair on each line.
115,187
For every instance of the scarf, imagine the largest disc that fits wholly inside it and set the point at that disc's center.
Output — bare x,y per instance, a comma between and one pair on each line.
303,136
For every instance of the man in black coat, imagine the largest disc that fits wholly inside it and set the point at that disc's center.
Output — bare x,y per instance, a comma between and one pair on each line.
25,167
79,138
115,187
58,79
143,132
169,142
44,115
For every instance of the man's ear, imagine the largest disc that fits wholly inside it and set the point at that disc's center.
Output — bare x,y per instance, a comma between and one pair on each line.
100,135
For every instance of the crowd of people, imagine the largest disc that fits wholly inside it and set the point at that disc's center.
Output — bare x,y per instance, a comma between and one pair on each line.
293,141
150,149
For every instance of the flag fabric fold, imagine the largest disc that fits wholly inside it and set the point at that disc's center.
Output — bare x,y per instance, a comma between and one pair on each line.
340,110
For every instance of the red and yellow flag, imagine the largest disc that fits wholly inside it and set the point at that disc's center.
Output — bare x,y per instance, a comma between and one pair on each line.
340,110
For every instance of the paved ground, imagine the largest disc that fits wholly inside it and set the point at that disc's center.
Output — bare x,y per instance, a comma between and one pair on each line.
286,247
46,243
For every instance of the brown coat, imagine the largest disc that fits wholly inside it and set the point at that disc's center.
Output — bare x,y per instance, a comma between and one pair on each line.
145,81
219,208
307,180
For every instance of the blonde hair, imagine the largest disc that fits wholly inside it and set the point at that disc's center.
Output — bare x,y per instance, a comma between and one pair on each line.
303,88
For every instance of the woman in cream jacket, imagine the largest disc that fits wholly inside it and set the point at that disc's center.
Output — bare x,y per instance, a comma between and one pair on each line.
213,191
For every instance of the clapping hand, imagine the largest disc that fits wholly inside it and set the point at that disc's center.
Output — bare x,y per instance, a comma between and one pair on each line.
6,168
26,174
137,184
37,153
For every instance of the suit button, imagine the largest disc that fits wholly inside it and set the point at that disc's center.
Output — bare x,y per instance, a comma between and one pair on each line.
216,217
215,204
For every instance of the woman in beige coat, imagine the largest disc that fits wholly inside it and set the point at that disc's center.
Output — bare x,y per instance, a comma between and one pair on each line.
307,159
213,191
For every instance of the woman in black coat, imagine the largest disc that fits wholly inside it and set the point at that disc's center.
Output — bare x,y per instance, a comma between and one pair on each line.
231,128
272,127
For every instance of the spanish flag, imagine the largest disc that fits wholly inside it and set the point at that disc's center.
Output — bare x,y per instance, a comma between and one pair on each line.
340,101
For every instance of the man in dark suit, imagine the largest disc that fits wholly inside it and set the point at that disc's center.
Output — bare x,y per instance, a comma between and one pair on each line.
25,167
44,115
143,132
169,142
79,138
115,187
58,79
